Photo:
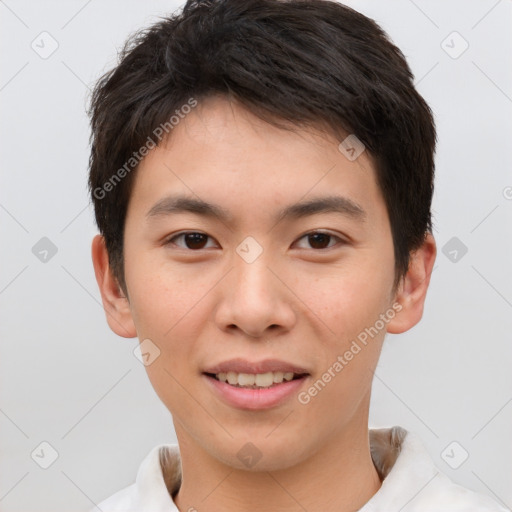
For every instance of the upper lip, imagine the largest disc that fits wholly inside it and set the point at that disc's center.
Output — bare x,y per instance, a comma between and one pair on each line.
243,366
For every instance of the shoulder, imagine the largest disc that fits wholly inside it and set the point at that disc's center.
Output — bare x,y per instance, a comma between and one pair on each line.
439,492
121,501
443,495
150,490
411,482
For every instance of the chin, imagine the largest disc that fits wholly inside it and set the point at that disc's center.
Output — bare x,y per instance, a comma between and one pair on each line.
260,454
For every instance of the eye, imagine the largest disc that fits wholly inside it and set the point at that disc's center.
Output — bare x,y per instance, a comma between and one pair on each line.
193,240
319,240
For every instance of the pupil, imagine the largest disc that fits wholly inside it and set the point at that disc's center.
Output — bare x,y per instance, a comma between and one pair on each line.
194,239
316,240
319,237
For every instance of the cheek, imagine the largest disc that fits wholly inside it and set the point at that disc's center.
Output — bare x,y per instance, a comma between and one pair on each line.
347,301
347,357
349,304
166,309
162,296
357,302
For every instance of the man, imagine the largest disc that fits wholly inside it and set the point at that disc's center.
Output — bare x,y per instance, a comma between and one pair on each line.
262,175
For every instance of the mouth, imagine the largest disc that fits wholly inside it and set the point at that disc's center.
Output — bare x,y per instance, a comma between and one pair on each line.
255,386
255,380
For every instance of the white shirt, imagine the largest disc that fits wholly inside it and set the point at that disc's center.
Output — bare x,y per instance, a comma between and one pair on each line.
411,481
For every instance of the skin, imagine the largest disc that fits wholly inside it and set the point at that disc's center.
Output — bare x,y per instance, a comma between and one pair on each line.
297,302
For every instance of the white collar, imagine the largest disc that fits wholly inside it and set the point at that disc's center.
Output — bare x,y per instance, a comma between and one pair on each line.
412,483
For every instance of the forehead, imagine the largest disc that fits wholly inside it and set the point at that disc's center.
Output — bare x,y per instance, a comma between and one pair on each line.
222,152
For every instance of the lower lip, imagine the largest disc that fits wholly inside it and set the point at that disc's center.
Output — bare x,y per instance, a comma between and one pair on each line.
254,399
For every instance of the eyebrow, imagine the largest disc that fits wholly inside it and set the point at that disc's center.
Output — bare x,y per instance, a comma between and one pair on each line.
329,204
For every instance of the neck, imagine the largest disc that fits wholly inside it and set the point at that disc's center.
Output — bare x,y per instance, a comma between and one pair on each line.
338,476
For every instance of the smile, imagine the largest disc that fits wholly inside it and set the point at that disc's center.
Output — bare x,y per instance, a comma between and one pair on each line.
255,381
254,386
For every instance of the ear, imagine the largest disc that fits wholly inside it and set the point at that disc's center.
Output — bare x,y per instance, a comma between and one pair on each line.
412,290
115,304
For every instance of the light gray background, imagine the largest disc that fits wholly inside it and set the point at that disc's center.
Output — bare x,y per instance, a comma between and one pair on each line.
68,380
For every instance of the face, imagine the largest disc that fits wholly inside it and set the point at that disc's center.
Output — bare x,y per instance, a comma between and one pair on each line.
252,295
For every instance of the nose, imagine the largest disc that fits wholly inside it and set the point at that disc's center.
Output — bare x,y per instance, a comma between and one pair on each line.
255,300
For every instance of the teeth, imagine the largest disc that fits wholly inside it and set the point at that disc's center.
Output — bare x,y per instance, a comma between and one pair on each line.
261,380
264,380
246,379
278,377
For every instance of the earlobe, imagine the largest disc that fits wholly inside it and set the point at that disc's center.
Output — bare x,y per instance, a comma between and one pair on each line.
115,304
413,288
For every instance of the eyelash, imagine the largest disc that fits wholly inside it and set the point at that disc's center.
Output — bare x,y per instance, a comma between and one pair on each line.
170,241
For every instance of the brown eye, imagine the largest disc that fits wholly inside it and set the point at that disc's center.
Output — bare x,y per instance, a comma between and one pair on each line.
319,240
193,240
